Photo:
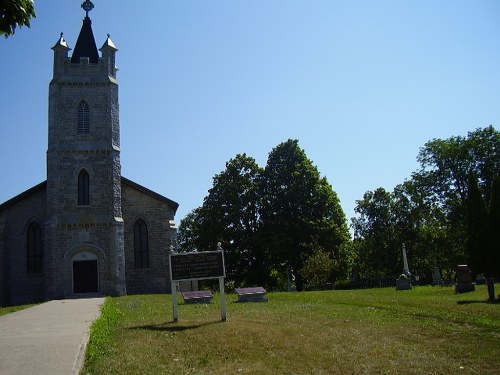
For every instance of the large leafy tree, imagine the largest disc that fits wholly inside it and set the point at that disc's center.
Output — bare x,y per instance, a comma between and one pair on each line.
495,224
482,239
15,13
230,215
445,166
270,221
231,212
300,210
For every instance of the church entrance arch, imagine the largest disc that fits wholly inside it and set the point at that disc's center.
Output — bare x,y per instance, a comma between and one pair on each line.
85,273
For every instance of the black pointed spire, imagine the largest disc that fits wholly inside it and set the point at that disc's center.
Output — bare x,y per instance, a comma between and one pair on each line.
85,45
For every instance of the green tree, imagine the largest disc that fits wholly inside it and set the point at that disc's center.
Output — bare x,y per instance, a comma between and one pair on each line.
188,235
441,187
443,175
494,214
317,270
15,13
482,238
230,215
478,230
376,240
300,209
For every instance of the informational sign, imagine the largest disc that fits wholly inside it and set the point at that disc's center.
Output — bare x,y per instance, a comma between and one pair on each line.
197,266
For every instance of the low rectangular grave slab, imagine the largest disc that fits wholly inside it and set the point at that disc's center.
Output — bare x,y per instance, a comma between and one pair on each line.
256,294
198,296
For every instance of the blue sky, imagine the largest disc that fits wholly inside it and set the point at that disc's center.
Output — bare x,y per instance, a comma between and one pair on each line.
361,84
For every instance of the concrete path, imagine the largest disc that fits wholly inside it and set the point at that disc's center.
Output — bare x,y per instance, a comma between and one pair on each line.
47,339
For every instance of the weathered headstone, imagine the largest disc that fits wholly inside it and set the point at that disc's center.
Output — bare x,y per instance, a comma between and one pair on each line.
464,279
436,277
197,296
257,294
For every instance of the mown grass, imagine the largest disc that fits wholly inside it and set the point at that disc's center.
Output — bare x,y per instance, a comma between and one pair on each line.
11,309
423,331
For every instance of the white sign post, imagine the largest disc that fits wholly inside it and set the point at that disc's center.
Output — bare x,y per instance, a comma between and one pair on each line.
197,266
222,299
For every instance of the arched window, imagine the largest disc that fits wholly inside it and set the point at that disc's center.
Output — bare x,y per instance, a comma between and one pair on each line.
83,118
34,249
141,246
83,188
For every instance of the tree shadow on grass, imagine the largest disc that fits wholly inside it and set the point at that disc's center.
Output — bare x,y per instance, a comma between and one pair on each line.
469,302
173,327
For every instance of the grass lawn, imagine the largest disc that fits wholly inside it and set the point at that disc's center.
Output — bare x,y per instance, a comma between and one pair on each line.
427,330
11,309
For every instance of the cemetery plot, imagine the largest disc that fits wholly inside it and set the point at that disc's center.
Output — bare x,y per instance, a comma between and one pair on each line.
257,294
198,296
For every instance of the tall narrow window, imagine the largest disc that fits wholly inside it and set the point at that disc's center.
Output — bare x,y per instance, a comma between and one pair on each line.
141,247
34,249
83,118
83,188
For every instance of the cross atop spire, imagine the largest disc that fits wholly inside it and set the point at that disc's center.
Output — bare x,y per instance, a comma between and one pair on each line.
87,6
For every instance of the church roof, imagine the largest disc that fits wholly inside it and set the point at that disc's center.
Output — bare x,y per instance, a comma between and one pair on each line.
108,43
85,44
151,193
61,43
43,185
18,198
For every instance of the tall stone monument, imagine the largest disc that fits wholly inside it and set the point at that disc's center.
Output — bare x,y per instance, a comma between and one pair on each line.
403,282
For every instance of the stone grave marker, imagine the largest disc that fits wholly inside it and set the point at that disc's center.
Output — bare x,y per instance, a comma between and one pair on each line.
403,282
436,277
464,279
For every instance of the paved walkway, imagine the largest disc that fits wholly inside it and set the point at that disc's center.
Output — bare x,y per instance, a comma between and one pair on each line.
48,339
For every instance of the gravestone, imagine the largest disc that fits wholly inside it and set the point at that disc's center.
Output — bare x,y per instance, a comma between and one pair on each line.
436,277
197,296
257,294
403,282
464,279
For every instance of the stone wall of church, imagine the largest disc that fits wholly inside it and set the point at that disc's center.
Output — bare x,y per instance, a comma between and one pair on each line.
157,214
18,286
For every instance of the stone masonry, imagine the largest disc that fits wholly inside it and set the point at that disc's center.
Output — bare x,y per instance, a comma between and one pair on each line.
91,245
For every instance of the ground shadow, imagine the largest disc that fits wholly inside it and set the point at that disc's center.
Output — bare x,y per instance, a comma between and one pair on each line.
173,327
469,302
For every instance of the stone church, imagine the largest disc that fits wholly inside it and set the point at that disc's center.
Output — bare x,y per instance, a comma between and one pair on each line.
86,229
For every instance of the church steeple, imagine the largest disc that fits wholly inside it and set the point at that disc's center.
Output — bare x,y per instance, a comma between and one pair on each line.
84,206
85,45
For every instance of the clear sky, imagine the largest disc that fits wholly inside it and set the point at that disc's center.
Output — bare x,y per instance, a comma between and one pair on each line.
361,84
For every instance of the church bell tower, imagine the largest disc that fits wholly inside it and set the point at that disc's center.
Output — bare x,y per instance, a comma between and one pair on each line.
84,241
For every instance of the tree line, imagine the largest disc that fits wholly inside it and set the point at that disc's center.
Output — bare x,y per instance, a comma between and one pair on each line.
285,220
436,212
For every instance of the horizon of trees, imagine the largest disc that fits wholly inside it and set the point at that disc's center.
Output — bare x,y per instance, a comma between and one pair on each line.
286,220
428,212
